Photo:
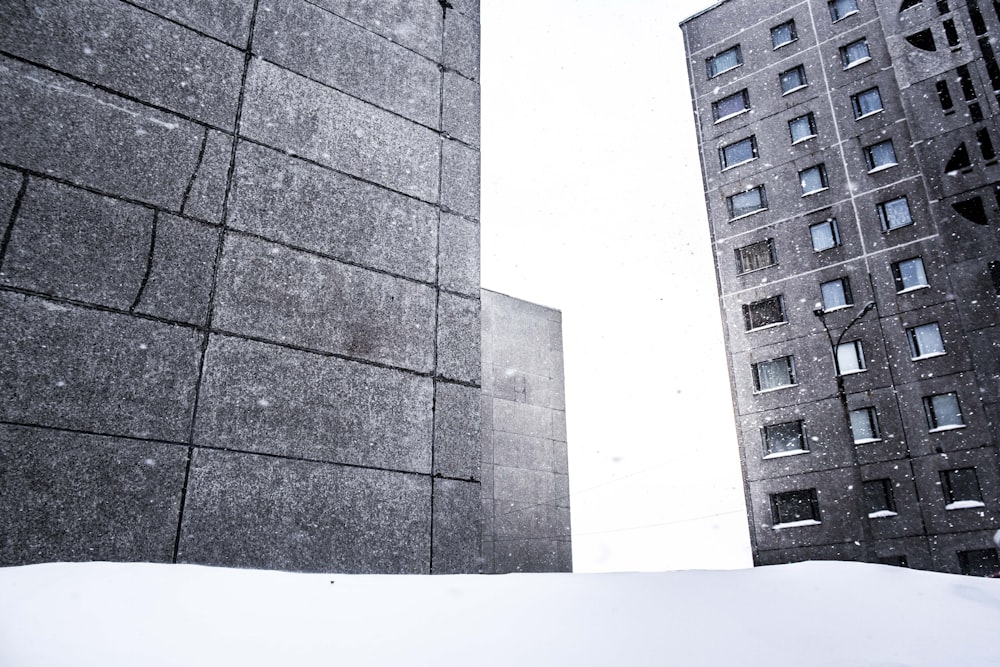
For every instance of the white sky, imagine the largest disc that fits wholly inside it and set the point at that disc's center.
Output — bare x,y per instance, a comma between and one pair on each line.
593,204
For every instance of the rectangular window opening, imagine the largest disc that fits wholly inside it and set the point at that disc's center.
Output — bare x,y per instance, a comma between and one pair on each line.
866,103
783,34
724,61
824,235
925,341
764,313
802,128
755,256
943,412
795,508
909,275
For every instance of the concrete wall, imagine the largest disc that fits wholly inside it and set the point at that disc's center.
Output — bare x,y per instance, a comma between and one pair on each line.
524,469
239,283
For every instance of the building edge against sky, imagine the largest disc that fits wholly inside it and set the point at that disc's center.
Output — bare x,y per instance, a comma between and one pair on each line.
851,181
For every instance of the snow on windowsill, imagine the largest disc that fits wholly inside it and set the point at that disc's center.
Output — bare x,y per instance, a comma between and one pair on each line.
847,15
807,138
732,115
813,192
870,113
964,504
867,441
781,455
778,388
836,308
768,326
928,356
791,41
796,524
881,514
730,69
915,288
747,215
859,61
739,164
883,167
947,427
794,90
854,371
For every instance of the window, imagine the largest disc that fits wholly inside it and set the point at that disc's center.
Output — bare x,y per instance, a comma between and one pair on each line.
965,81
855,53
841,9
944,96
813,179
961,488
925,341
923,40
783,34
773,374
942,6
825,235
985,144
880,156
783,439
851,358
943,412
795,508
909,275
978,562
739,152
729,59
731,106
907,4
764,313
866,103
894,214
755,256
836,294
745,203
864,426
950,32
878,498
792,80
976,16
972,210
959,160
802,128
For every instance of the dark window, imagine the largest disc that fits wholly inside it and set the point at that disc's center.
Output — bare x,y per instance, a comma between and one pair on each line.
959,160
738,152
773,374
755,256
943,412
985,144
795,507
925,341
841,9
745,203
979,562
855,53
965,81
896,560
894,214
992,68
866,103
802,128
994,269
879,499
961,485
783,34
864,425
724,61
731,105
923,40
944,96
942,6
824,235
793,79
880,156
972,210
813,179
976,16
783,438
764,313
975,112
836,294
909,274
950,33
909,4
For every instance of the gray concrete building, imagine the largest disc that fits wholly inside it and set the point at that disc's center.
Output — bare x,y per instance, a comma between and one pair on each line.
239,288
849,155
526,521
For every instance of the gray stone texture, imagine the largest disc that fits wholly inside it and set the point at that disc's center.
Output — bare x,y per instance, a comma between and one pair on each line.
457,426
297,115
458,348
290,297
10,185
461,45
469,8
228,20
179,283
269,399
322,46
204,198
251,511
75,244
74,497
77,368
304,205
460,178
130,51
458,255
457,527
95,139
460,108
415,24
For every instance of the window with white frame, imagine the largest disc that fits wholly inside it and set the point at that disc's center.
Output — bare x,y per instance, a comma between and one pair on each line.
894,214
764,313
943,412
724,61
745,203
866,103
824,235
855,53
795,508
813,179
731,105
773,374
909,275
879,500
925,341
784,33
961,488
792,79
738,152
851,357
759,255
836,294
880,156
802,128
864,426
841,9
783,439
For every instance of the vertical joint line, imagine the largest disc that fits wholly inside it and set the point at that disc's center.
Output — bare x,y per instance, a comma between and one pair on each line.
180,509
194,172
14,211
149,263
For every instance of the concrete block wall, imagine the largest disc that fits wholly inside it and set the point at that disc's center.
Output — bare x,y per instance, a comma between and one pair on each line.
526,524
239,283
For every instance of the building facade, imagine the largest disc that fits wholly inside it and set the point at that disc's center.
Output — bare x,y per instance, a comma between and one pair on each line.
849,155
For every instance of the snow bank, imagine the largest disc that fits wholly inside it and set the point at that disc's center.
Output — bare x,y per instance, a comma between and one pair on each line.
809,614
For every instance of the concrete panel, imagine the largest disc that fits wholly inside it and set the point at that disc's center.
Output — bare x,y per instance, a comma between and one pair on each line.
522,485
458,255
85,369
460,178
312,41
516,520
273,400
261,512
522,451
461,45
458,349
228,20
206,192
457,426
529,556
295,202
95,139
10,185
469,8
74,497
292,297
179,283
75,244
416,24
130,51
460,117
293,114
457,527
521,418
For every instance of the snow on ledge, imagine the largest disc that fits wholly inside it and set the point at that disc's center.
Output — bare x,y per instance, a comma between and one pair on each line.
781,455
881,514
795,524
964,504
947,427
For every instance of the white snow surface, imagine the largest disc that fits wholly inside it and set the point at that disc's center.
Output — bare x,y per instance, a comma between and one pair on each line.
806,614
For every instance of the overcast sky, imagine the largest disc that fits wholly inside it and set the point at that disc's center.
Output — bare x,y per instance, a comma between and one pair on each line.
593,204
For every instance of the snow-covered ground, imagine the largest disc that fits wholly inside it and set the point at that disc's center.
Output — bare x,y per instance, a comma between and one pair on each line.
836,614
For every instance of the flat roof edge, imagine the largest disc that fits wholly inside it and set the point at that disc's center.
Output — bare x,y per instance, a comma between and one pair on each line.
704,11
